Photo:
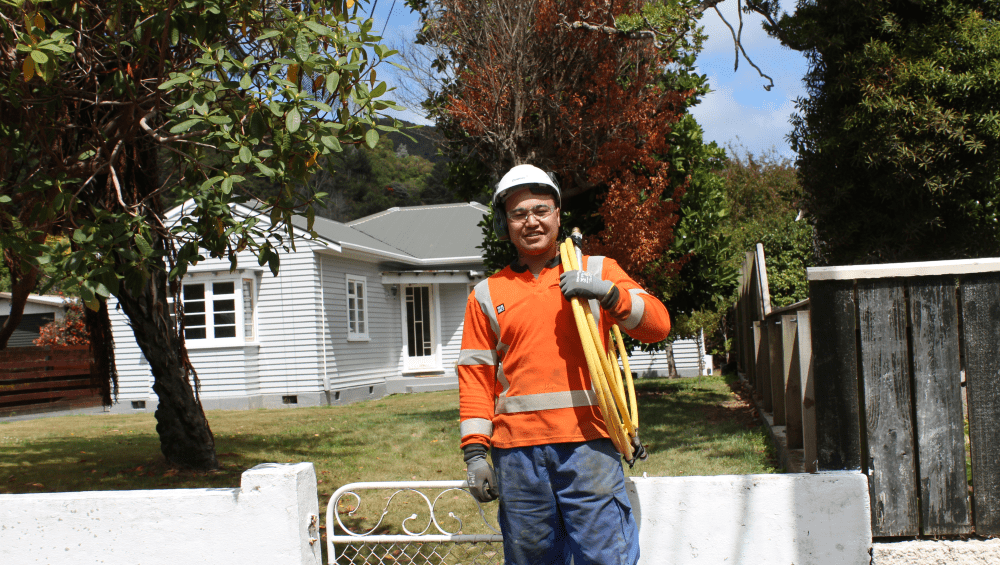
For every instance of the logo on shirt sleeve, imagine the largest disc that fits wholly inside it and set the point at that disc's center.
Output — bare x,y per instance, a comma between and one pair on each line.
500,309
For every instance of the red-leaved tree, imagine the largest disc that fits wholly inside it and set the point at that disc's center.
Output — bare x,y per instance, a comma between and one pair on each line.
587,89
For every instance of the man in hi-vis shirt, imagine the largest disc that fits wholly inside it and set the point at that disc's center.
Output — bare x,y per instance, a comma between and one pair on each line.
526,395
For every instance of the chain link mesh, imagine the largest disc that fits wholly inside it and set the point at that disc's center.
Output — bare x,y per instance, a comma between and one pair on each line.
420,553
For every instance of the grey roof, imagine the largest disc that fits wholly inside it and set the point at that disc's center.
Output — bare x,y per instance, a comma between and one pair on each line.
414,234
444,235
428,232
342,233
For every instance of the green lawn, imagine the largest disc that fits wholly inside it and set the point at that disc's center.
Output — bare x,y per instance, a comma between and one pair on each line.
691,427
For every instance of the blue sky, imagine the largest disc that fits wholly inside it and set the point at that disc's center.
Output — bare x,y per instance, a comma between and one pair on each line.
738,111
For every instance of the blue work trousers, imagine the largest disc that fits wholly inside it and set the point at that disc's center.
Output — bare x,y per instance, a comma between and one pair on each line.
565,500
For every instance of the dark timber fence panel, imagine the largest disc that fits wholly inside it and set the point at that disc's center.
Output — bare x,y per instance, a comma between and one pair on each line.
938,395
881,354
981,328
888,413
835,373
920,325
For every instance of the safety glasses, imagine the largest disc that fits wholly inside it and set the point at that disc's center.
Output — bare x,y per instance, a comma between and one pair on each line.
520,215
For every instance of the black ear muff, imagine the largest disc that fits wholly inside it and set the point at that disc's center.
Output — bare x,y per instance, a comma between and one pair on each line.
555,181
500,226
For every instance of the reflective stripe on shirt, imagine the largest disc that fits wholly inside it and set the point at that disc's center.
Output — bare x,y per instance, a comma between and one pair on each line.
476,426
546,401
477,357
482,293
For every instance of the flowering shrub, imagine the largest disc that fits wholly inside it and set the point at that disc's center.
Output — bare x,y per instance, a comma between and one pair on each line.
70,330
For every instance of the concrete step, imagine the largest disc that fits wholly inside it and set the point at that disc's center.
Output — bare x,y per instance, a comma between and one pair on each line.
409,384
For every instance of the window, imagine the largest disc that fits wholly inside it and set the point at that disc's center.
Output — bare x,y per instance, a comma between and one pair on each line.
218,310
357,308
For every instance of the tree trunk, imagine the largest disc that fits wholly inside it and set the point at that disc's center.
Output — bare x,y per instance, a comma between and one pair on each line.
671,364
22,283
185,438
700,345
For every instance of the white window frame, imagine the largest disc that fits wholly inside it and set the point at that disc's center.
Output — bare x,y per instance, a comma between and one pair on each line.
352,282
208,280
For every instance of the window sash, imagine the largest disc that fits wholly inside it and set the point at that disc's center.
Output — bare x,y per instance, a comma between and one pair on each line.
418,321
212,310
357,307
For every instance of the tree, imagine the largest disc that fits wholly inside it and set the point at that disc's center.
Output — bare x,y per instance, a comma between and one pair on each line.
700,292
899,138
766,207
589,90
91,93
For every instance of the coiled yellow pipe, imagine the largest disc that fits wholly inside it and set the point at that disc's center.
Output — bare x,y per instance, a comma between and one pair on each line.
605,374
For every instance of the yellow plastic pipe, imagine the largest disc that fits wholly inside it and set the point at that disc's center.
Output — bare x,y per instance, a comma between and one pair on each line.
628,375
611,399
594,366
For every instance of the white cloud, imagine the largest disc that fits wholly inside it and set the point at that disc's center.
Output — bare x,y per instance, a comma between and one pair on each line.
728,120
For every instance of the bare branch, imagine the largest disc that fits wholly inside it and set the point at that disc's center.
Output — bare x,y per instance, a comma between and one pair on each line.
738,45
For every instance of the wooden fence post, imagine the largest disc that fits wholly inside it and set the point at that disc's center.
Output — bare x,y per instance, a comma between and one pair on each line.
804,327
762,365
776,365
793,388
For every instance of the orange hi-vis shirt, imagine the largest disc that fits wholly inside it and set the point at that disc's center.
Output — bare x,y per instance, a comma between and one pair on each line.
522,375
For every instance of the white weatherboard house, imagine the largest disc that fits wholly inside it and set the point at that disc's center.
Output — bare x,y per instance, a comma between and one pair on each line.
371,307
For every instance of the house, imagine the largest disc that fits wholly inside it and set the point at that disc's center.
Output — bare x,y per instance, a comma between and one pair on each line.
371,307
38,311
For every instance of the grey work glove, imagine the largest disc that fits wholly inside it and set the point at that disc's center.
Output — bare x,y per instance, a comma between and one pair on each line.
587,286
482,481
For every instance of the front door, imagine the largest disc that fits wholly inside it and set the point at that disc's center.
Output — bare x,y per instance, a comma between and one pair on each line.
418,309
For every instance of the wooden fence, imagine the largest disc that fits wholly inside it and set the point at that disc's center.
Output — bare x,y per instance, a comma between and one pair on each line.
903,357
38,379
774,354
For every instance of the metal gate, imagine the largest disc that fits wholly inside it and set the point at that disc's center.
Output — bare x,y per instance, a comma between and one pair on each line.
415,539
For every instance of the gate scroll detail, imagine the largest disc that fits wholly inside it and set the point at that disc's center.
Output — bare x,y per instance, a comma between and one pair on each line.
442,540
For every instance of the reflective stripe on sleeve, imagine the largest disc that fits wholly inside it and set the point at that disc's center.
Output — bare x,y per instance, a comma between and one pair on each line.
638,306
477,357
476,426
546,401
485,301
595,266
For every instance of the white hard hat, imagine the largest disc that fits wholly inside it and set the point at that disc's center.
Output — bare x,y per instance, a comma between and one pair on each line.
521,176
524,175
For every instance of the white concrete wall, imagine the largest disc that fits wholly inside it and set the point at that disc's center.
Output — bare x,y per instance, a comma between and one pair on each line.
798,519
269,520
